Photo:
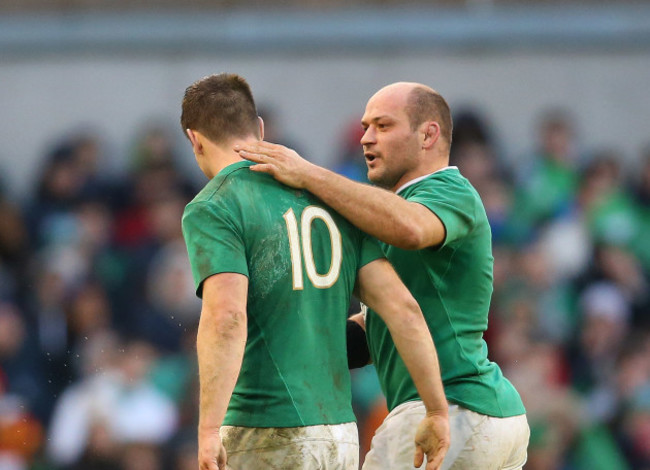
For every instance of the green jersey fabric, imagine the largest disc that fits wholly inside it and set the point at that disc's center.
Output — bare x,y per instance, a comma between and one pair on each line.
301,259
453,285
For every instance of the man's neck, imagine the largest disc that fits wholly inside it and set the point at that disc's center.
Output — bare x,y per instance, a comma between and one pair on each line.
223,155
227,159
422,170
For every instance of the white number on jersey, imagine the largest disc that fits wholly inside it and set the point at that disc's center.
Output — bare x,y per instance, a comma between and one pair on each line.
308,215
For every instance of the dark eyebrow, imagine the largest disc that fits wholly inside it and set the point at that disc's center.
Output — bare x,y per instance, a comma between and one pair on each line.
375,119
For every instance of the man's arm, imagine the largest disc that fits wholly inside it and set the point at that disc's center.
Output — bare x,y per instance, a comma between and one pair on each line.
380,288
220,344
380,213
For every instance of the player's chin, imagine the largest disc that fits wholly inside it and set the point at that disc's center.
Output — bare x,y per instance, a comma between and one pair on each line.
374,174
378,178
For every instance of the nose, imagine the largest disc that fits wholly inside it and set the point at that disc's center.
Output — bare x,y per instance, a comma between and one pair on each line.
368,136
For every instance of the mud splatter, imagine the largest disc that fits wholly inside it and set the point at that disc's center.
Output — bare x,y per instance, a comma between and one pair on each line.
326,447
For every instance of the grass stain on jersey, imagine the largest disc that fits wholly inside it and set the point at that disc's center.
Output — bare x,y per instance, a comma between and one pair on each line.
268,266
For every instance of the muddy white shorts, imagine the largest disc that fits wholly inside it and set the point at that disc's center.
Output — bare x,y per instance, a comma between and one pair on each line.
477,441
324,447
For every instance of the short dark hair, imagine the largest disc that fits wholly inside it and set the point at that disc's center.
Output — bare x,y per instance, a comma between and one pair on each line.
220,107
424,104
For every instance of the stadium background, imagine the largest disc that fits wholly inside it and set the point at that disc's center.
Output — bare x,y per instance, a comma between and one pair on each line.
97,315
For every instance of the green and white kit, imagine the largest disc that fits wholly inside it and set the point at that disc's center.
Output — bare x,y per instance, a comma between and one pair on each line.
301,259
453,285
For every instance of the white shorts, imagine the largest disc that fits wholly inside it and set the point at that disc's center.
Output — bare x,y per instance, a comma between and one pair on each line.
326,447
477,441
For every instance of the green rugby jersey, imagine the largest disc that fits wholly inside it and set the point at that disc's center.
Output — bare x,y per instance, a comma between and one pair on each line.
453,285
301,259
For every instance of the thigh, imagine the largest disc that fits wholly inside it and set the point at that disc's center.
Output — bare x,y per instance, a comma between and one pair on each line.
477,441
520,438
393,445
303,448
494,444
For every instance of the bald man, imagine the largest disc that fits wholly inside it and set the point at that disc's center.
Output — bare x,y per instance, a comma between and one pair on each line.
436,234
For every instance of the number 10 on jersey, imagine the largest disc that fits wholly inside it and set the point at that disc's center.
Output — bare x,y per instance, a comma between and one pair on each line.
321,281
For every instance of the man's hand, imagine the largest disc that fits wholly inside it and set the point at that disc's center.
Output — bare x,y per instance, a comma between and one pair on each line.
212,453
284,164
432,438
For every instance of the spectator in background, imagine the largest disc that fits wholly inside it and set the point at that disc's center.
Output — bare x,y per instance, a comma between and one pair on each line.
70,175
21,435
62,269
101,451
618,265
604,324
81,414
533,298
153,147
611,215
546,186
21,371
141,456
634,429
641,192
14,249
601,212
160,291
113,406
155,175
88,314
185,456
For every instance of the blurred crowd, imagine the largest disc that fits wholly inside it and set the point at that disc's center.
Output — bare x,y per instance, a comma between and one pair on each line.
98,315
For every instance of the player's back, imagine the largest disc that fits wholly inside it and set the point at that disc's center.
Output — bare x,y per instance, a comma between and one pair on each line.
301,259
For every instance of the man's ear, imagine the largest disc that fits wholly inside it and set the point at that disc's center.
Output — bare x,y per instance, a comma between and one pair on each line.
431,131
194,138
261,127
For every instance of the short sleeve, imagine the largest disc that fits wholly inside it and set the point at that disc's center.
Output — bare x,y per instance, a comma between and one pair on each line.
214,242
370,250
454,205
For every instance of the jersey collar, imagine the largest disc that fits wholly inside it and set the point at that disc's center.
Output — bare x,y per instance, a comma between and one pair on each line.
420,178
234,166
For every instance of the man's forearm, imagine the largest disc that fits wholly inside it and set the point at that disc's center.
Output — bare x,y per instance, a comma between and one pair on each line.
376,211
381,290
413,341
220,344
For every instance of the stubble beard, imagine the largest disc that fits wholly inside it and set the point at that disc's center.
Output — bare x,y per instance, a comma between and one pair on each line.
388,180
390,177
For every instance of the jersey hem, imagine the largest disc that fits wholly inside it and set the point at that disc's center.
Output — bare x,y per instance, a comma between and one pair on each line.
479,410
274,424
